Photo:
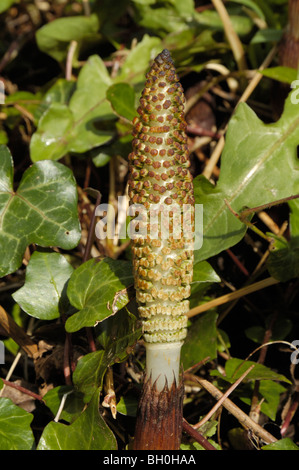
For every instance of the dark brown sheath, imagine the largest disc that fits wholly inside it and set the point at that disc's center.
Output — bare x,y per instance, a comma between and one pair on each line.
159,418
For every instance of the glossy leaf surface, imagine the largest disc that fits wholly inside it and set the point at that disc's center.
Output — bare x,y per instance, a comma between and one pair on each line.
42,296
81,124
259,165
15,430
116,336
43,210
88,432
98,290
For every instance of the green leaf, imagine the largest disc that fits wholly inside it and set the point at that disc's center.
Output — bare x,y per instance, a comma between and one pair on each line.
283,261
85,123
98,290
294,217
6,4
268,35
282,74
43,210
24,99
116,335
281,329
203,272
203,277
127,406
43,292
235,367
138,59
252,5
201,341
88,432
15,430
47,142
122,99
259,165
3,137
282,444
242,25
270,392
89,373
165,17
60,93
55,37
73,404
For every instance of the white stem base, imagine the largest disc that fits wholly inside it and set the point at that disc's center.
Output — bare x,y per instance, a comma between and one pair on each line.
163,363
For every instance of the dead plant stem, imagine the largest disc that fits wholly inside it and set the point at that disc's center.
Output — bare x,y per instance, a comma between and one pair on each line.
221,400
242,417
232,296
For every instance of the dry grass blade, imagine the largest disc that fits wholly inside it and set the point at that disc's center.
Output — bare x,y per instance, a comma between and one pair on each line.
232,37
232,296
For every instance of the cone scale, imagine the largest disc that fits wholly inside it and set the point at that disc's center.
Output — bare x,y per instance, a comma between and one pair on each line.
161,194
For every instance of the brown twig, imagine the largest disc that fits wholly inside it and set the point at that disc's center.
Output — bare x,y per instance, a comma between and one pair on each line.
224,396
197,436
237,262
290,414
17,333
22,389
67,370
242,417
201,131
91,231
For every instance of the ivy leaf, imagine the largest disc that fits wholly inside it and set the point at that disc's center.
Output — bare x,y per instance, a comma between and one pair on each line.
98,290
60,92
88,432
43,210
203,277
122,99
270,391
47,142
89,373
81,125
235,367
116,335
282,74
282,444
283,261
281,328
165,16
73,404
55,37
201,341
6,4
138,59
46,276
127,406
259,164
15,430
